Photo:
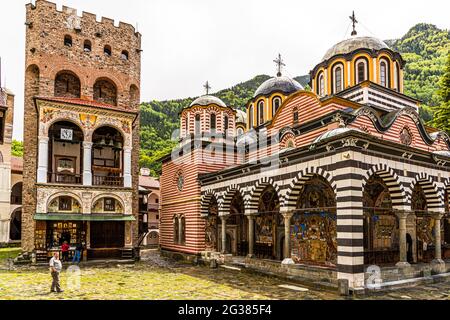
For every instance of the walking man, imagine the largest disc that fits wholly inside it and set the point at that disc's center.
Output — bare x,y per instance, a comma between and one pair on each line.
55,269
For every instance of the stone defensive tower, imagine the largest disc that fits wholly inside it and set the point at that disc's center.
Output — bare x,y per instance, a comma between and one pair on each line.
89,63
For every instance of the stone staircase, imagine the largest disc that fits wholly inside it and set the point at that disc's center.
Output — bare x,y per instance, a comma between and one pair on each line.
127,254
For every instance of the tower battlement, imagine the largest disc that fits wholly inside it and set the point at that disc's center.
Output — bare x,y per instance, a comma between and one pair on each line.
86,17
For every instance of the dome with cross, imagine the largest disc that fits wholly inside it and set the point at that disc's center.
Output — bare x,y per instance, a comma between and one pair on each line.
279,83
282,84
353,44
207,100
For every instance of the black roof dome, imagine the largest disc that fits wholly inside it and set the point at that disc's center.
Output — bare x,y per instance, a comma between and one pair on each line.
355,43
280,83
206,100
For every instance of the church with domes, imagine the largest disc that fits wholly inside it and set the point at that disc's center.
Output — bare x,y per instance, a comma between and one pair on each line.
326,183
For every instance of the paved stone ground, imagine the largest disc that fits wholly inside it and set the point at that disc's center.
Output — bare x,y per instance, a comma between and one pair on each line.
159,278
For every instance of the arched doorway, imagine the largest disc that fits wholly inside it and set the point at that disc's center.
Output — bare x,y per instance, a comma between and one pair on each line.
313,225
211,226
65,161
16,194
238,223
381,233
15,228
269,225
107,157
425,239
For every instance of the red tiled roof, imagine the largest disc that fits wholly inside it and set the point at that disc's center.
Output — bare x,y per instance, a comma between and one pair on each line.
17,164
148,182
85,102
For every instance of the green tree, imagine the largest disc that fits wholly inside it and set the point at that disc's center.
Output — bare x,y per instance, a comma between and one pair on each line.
17,148
442,114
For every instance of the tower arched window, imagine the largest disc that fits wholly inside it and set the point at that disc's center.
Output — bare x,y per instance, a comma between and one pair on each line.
212,122
398,77
107,51
276,103
338,79
68,41
321,85
87,47
250,117
384,73
186,125
225,124
260,113
197,124
295,115
67,84
361,71
124,55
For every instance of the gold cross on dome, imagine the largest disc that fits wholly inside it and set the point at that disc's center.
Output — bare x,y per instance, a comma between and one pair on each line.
207,87
354,22
280,64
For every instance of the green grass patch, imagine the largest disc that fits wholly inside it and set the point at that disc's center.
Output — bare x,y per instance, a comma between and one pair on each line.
9,253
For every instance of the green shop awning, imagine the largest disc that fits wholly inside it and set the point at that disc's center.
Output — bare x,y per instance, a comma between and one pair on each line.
81,217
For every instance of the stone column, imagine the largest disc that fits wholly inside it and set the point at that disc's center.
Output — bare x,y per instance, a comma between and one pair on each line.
251,235
4,230
287,234
42,160
127,167
224,233
437,242
87,163
402,215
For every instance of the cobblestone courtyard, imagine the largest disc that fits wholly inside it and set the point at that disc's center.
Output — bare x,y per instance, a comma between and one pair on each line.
158,278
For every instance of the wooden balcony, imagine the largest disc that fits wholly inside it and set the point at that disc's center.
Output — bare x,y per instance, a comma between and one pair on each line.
65,178
110,181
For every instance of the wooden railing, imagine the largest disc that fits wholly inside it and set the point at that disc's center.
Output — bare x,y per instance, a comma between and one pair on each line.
153,206
107,181
65,178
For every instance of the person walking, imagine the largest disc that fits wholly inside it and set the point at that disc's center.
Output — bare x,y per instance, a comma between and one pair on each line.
77,255
55,269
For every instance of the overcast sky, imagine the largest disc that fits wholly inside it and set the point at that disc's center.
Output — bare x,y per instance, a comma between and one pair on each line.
187,42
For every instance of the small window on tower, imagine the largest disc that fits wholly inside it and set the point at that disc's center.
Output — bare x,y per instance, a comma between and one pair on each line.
295,115
225,125
260,112
384,74
361,70
197,124
276,103
321,85
213,122
87,46
68,41
124,55
250,117
107,50
337,79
